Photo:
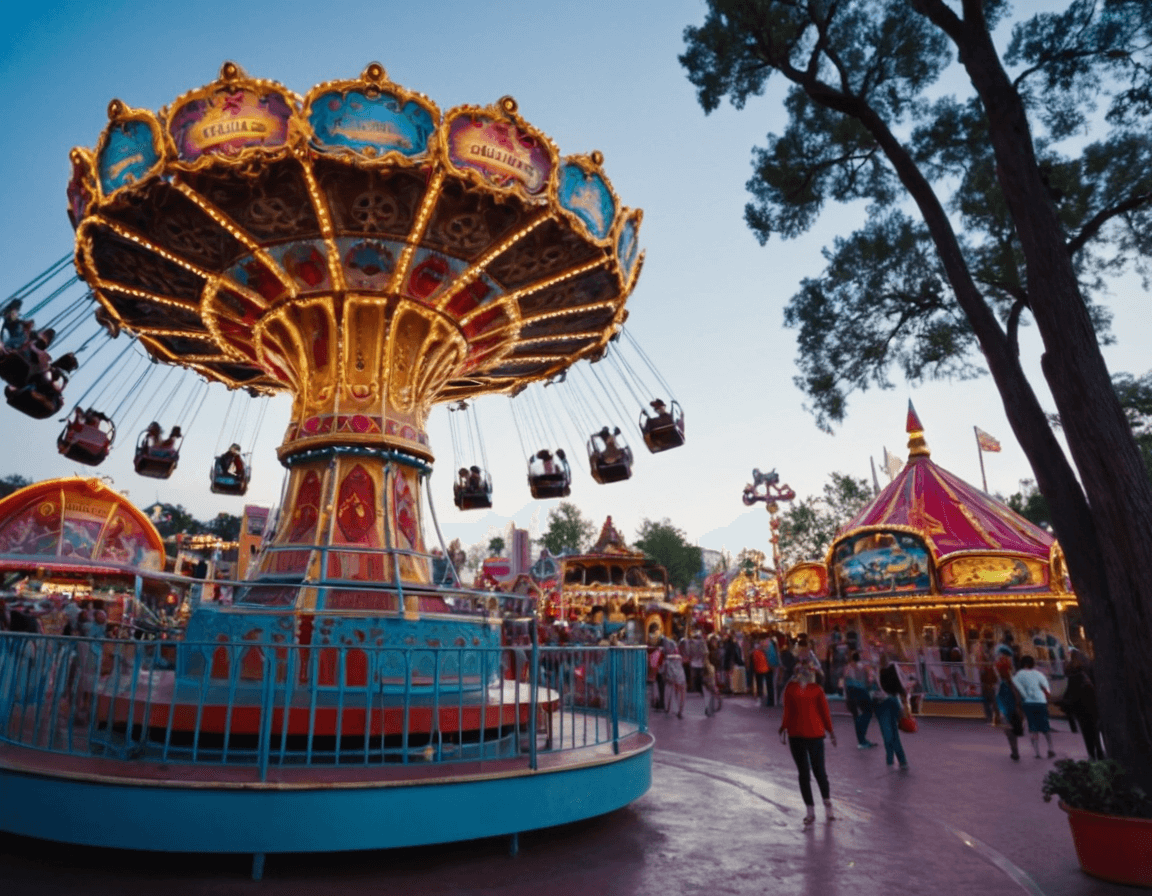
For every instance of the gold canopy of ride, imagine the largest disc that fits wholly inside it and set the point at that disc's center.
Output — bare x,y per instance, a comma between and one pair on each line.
364,252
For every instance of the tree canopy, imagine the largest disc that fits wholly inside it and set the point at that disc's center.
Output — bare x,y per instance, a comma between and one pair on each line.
808,527
983,211
669,546
568,531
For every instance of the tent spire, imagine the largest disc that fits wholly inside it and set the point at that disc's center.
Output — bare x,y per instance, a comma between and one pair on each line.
917,446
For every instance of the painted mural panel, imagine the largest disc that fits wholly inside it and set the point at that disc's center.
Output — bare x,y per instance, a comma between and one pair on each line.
881,563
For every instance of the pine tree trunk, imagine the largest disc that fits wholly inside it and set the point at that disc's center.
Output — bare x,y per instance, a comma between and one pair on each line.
1109,550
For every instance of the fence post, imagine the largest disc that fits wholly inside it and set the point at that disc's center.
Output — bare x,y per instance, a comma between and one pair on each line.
613,702
533,694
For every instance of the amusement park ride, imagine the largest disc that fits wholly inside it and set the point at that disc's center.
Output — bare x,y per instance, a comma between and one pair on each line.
371,256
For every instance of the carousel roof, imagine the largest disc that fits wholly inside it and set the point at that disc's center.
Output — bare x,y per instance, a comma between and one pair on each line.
946,511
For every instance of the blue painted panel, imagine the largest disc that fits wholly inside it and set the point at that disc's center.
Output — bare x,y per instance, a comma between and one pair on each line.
586,195
268,820
370,125
628,245
127,156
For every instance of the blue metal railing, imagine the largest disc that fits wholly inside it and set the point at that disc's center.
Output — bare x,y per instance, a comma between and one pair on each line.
263,704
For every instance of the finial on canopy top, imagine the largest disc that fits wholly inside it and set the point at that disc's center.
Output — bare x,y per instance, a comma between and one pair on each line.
230,71
917,446
597,157
508,105
115,109
374,73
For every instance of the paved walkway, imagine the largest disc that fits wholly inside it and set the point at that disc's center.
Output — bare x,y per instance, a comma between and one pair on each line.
722,817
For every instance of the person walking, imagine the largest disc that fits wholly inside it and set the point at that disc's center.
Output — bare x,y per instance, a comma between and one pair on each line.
1079,704
858,697
804,722
772,652
760,682
890,709
1008,703
697,657
1035,692
786,668
674,681
709,682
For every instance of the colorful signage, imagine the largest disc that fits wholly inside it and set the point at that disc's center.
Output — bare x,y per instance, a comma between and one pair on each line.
228,122
499,151
128,154
587,196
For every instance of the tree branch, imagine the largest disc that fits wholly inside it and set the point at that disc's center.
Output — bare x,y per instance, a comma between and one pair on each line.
1102,217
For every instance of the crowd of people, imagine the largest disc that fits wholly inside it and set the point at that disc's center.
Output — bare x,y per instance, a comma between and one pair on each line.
777,669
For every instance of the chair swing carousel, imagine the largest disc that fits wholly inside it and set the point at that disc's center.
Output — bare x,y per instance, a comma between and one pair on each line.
428,257
156,455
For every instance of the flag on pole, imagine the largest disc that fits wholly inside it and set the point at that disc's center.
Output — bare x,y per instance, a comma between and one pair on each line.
892,465
985,441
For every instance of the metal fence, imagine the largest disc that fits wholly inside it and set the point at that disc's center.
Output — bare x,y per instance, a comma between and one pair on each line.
262,704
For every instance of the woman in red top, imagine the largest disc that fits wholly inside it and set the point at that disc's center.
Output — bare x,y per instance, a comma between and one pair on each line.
806,719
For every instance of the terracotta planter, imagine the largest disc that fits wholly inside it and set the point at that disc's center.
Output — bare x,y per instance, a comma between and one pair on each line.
1112,847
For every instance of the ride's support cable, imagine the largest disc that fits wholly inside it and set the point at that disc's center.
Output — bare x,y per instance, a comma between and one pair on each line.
516,425
623,370
577,403
166,403
133,393
609,393
644,357
56,321
454,433
224,424
196,413
101,378
47,274
78,317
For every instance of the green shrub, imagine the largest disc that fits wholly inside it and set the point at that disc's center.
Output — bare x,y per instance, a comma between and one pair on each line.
1096,785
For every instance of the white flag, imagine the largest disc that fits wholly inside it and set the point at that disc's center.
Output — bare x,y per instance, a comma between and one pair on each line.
892,465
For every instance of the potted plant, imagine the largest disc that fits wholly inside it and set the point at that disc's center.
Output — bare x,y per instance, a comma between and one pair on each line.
1110,818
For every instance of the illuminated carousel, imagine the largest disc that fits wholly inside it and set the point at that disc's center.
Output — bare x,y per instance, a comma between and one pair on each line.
371,256
938,574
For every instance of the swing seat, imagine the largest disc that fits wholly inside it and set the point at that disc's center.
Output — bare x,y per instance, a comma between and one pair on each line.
617,470
663,431
227,484
472,498
550,485
35,404
84,443
156,463
15,367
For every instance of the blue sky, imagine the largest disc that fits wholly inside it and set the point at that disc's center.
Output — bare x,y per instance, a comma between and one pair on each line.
599,75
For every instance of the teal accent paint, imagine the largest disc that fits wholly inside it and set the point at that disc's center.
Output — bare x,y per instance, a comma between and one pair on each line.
269,820
587,196
370,125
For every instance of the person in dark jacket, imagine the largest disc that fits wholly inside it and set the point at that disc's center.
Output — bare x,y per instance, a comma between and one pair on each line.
1079,704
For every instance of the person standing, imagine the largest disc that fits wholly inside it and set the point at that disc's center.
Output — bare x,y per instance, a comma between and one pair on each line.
858,698
772,653
1079,704
804,722
1035,692
890,709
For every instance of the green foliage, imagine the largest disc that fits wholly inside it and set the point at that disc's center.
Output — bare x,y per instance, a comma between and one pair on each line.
808,527
1100,785
669,546
1030,504
13,483
568,531
225,526
1136,399
859,72
496,546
